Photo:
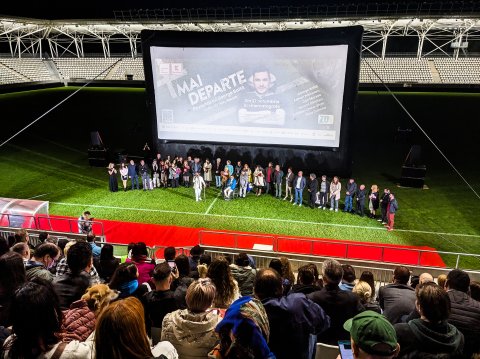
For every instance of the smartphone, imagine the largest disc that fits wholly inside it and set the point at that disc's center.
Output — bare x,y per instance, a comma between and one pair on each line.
345,347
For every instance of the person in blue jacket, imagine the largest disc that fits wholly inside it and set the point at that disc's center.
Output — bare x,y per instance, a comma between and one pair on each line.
230,187
132,174
299,184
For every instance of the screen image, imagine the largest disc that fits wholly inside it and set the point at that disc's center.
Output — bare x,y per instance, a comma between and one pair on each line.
250,95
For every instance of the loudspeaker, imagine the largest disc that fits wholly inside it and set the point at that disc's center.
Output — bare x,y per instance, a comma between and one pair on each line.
413,176
97,157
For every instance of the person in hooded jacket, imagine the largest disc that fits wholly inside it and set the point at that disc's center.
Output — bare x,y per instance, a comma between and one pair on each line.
243,273
431,335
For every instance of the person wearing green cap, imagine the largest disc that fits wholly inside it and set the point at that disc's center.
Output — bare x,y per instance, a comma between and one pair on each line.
372,336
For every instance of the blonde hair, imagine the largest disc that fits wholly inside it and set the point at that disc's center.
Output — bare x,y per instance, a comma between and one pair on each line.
202,270
98,297
200,295
374,188
363,290
67,247
441,280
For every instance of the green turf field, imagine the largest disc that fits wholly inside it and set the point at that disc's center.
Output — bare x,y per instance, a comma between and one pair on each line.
52,165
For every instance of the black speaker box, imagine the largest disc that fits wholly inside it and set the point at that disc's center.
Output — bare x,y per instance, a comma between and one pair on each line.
98,158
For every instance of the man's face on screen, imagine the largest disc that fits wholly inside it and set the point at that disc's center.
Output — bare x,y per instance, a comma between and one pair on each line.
261,82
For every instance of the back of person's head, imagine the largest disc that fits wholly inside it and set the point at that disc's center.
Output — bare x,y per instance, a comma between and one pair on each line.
22,248
200,295
90,238
36,317
459,280
42,236
196,252
125,272
67,247
106,253
4,247
348,273
98,297
139,251
45,249
305,275
130,246
120,331
332,271
61,243
475,290
401,275
276,265
205,259
242,260
373,336
183,265
21,236
432,302
169,253
268,284
162,272
424,278
11,241
220,274
12,272
363,291
287,271
79,257
442,279
368,277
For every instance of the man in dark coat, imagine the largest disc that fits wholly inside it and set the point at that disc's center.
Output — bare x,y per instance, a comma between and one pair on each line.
313,189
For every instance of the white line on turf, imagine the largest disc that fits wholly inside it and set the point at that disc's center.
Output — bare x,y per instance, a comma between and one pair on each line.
211,204
264,219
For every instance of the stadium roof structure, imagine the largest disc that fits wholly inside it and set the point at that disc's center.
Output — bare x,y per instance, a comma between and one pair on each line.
447,36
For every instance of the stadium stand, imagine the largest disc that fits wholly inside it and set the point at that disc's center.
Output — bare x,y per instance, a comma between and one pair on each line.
389,70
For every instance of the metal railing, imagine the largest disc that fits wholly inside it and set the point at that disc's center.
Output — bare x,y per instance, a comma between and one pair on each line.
330,248
46,223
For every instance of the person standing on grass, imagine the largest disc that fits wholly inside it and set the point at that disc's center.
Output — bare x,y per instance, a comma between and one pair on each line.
112,181
217,167
186,174
259,180
132,174
198,185
277,181
269,176
349,195
289,184
124,175
361,200
244,180
373,200
300,182
143,170
324,189
391,211
207,172
313,189
155,174
335,189
383,205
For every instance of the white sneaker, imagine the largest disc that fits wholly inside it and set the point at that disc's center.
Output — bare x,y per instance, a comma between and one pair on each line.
324,208
294,204
336,210
331,209
300,205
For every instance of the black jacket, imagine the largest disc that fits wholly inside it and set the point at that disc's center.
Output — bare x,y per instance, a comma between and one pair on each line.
157,304
465,315
421,339
396,300
105,268
313,186
339,305
70,287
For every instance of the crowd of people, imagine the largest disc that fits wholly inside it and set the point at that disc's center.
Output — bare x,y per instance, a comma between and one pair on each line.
241,179
73,299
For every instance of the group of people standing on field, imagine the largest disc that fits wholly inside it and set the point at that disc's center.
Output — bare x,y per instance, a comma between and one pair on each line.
240,179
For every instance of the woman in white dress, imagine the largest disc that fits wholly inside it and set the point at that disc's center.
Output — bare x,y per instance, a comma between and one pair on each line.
124,176
259,180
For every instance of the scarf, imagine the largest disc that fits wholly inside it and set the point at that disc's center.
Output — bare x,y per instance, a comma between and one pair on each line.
128,288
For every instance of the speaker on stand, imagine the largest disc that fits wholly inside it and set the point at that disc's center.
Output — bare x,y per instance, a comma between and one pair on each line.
97,152
413,169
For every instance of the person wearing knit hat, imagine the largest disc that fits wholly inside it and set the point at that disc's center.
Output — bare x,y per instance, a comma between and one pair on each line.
372,336
243,332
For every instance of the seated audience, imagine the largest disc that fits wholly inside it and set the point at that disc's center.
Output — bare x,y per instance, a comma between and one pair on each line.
287,283
431,334
226,287
294,320
43,236
72,285
192,330
22,236
23,249
364,292
243,332
339,305
12,277
4,246
44,257
120,333
182,281
305,281
348,279
96,250
441,280
62,266
372,336
194,257
36,320
106,264
243,274
475,290
368,277
465,313
425,278
169,254
204,262
398,298
125,280
145,265
79,321
161,301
